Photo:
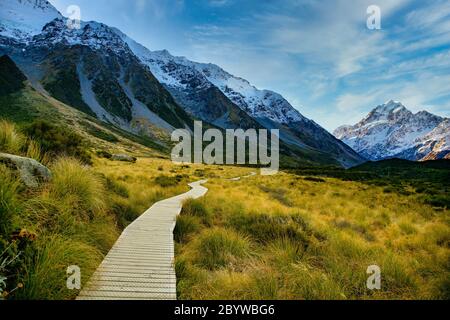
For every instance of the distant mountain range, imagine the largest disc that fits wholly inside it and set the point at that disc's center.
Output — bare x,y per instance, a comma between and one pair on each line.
392,131
104,73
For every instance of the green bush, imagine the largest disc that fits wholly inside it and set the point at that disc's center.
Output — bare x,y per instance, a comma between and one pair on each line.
58,141
314,179
166,181
438,201
104,154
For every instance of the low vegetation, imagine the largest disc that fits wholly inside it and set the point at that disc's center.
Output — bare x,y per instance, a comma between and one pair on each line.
308,233
303,236
76,217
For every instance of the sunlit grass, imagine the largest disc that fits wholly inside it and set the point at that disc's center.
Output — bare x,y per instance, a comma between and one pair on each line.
315,239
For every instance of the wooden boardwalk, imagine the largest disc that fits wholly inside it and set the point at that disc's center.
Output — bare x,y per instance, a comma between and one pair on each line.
140,265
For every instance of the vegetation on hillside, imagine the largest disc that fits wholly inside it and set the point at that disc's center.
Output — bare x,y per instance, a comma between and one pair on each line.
76,217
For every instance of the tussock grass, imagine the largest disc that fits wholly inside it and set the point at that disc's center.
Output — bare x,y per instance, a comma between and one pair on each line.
11,139
45,271
217,248
74,183
9,201
185,226
320,245
197,208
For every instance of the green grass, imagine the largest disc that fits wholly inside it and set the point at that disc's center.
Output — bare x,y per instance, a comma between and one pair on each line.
9,201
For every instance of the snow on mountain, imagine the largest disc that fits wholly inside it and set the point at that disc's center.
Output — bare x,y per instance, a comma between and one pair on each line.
25,18
192,82
179,72
95,35
37,36
391,130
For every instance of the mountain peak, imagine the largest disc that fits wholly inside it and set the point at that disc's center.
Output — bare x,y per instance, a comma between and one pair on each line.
391,130
390,106
25,18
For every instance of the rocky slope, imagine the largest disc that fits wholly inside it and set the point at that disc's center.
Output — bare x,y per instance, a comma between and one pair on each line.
392,131
100,71
193,84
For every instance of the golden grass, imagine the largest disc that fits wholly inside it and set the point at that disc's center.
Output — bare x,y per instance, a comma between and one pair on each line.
11,140
341,228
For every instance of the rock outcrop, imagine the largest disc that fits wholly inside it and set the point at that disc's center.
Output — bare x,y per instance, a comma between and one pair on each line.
31,171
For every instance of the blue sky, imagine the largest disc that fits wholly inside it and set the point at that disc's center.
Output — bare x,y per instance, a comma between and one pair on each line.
318,54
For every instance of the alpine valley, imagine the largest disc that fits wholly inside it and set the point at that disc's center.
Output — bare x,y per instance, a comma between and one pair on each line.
102,72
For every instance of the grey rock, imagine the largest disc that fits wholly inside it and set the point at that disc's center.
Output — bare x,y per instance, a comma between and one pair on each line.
123,157
31,171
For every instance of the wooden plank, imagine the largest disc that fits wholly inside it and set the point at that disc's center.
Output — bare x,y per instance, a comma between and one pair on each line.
140,264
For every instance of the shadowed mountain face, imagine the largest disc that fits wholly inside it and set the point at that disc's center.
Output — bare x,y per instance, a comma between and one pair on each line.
392,131
102,72
11,78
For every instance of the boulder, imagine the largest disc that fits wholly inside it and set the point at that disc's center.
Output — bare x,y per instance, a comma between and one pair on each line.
31,172
123,157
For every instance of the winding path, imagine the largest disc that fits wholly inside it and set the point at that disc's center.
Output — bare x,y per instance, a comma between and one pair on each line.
140,265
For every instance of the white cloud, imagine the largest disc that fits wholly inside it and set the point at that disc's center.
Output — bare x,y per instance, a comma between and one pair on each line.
322,57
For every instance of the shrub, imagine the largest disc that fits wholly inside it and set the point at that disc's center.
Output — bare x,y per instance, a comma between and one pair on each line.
219,248
314,179
438,201
11,140
58,141
104,154
125,213
77,184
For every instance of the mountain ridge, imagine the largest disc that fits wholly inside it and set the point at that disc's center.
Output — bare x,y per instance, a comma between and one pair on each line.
390,130
103,72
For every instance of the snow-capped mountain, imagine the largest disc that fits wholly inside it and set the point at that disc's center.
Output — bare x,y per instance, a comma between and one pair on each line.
101,71
392,131
191,84
25,18
179,72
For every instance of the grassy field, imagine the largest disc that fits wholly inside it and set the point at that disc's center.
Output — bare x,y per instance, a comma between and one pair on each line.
294,236
76,217
308,233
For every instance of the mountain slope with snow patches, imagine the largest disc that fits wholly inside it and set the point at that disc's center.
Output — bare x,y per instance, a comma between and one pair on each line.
392,131
103,72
